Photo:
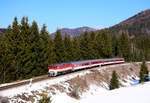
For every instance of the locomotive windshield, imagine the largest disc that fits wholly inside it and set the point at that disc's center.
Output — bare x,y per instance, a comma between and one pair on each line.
51,66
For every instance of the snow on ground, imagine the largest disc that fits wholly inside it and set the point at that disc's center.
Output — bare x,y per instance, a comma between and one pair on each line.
130,80
39,85
63,98
7,84
135,94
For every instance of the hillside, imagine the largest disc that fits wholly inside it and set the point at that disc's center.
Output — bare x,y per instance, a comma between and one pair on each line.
137,24
77,87
2,31
135,94
75,32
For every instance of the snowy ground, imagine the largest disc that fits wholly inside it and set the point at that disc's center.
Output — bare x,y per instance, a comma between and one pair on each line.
38,85
135,94
95,93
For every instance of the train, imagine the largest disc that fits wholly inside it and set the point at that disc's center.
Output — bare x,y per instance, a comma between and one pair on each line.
59,68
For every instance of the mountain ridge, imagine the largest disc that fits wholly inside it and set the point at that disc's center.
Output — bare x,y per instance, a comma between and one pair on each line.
2,31
75,31
137,24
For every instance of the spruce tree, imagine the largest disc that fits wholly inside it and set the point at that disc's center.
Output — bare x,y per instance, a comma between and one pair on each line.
103,44
143,72
68,48
12,37
143,46
84,43
124,49
15,43
59,47
5,57
114,83
76,49
24,45
47,55
114,45
31,67
93,53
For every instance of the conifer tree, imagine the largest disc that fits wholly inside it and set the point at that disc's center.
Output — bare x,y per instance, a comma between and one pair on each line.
5,57
114,83
143,47
143,72
68,48
103,43
32,53
13,41
47,55
84,43
114,45
59,47
92,35
124,49
76,49
24,45
25,31
93,53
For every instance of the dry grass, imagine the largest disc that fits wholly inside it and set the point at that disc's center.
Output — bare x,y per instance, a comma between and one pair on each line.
4,100
75,92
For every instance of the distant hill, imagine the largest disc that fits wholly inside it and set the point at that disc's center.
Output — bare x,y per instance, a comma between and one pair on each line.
2,31
137,24
75,32
71,32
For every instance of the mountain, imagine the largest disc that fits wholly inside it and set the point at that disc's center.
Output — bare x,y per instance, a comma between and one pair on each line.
137,24
74,32
71,32
2,31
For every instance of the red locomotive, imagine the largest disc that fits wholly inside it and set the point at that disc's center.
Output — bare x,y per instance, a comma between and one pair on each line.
55,69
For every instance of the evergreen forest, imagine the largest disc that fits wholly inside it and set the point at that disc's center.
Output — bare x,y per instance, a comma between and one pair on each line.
26,51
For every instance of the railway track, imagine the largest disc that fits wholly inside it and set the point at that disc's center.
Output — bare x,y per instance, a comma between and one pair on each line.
44,77
17,84
40,78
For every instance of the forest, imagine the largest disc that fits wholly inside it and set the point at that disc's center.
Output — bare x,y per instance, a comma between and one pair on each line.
26,51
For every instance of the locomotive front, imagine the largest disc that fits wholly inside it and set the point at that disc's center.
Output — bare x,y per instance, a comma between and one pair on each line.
52,70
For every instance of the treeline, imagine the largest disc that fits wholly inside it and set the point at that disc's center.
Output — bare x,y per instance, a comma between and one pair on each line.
26,51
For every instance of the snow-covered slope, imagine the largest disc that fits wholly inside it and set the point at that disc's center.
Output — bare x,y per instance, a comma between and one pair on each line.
83,86
135,94
37,86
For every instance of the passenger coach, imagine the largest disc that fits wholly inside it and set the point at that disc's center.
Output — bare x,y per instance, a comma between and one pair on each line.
55,69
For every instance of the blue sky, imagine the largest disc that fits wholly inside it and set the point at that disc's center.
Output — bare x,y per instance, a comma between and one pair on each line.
70,13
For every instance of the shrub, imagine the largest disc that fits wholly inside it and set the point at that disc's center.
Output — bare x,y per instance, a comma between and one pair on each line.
143,72
114,83
45,99
75,92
